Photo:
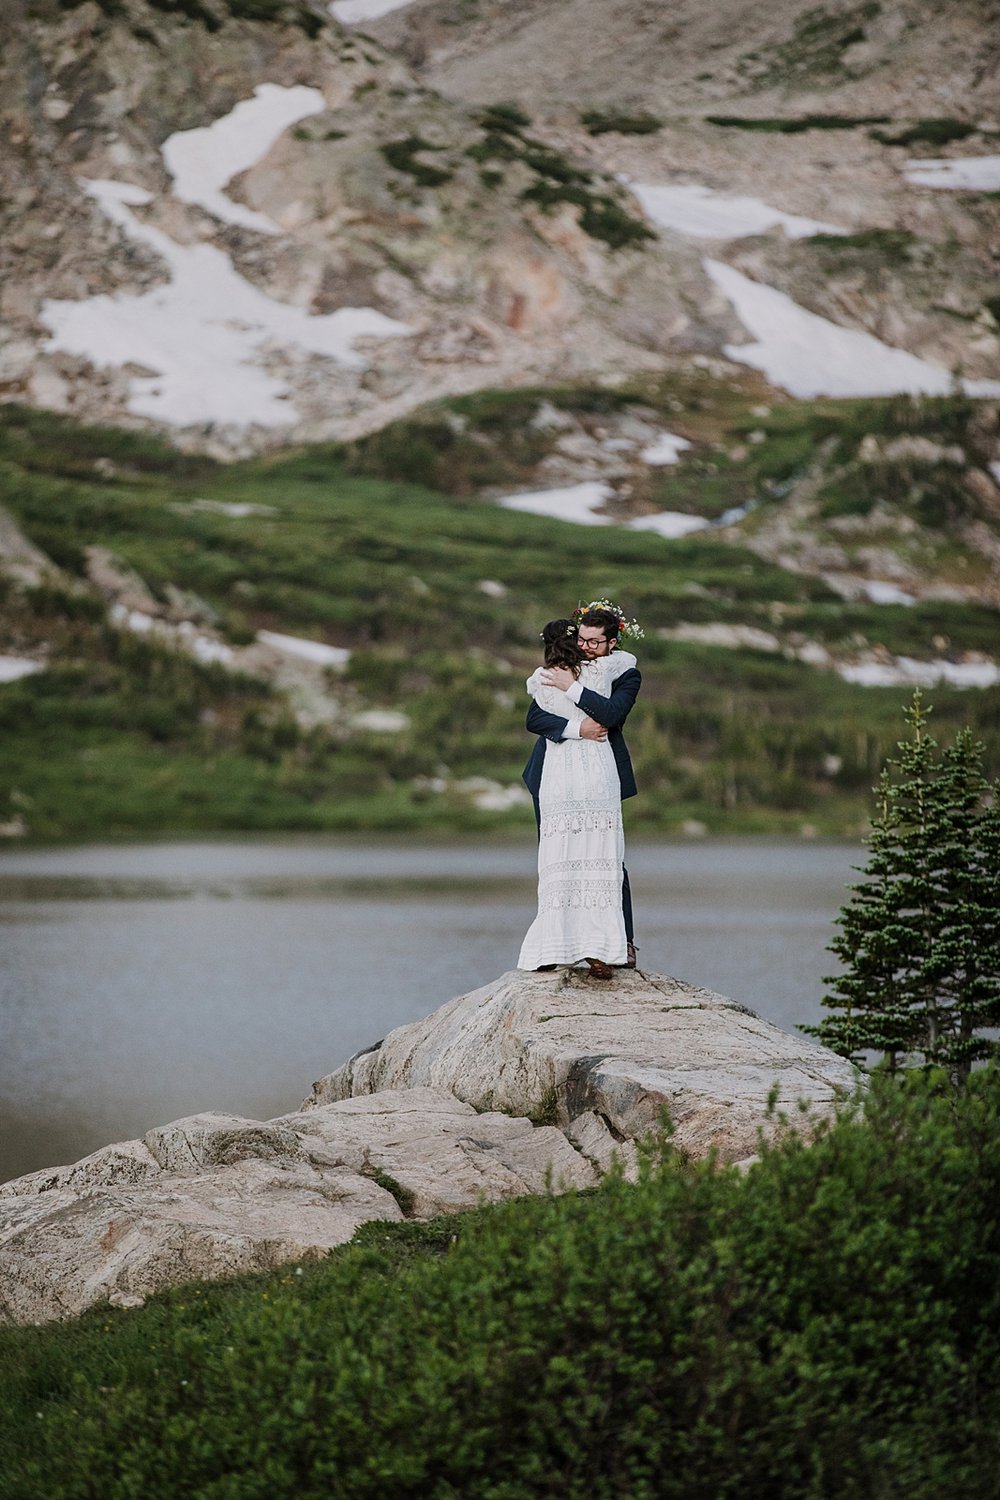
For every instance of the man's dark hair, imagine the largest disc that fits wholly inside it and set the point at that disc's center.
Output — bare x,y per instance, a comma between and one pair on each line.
603,618
561,649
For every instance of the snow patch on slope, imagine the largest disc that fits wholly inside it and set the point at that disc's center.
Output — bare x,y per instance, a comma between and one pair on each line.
810,356
202,161
201,333
350,12
574,502
798,350
701,213
969,174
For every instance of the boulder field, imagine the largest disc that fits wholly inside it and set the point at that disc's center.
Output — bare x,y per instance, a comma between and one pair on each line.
534,1083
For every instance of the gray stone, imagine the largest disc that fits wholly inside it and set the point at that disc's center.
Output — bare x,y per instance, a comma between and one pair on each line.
440,1150
591,1135
122,1165
218,1140
627,1051
214,1195
62,1252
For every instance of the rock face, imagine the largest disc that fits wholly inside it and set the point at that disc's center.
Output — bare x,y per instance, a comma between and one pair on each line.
435,1119
387,197
415,191
603,1060
214,1195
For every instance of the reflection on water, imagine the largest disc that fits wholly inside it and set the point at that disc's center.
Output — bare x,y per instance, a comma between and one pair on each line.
139,983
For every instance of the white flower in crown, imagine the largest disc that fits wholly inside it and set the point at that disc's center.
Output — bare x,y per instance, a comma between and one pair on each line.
626,627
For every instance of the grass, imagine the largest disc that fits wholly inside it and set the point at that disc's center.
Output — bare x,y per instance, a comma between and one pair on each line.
382,545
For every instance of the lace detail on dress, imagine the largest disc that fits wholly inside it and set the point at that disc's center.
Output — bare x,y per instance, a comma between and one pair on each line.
596,896
580,817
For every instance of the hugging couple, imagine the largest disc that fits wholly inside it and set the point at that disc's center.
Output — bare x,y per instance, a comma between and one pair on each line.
578,774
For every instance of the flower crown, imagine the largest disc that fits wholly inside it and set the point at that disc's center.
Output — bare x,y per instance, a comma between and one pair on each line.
630,628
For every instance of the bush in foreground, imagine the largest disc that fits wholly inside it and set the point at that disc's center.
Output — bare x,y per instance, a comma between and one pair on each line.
826,1325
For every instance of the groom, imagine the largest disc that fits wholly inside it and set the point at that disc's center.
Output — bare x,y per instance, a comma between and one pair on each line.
597,636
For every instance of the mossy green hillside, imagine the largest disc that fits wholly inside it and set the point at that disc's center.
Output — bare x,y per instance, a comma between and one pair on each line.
826,1324
123,735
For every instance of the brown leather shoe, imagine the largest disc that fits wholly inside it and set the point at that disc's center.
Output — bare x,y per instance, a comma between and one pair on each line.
599,969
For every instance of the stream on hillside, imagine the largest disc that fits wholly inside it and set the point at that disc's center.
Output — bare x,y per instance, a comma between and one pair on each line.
142,982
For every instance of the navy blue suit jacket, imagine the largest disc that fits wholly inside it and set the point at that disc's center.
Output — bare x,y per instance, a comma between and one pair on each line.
611,712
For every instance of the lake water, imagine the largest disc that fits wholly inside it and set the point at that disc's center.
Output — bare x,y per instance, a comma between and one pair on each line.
142,982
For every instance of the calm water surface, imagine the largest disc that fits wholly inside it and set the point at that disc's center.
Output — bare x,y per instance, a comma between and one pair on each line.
139,983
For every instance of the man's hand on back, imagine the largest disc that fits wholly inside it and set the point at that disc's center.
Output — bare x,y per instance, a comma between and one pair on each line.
558,677
591,730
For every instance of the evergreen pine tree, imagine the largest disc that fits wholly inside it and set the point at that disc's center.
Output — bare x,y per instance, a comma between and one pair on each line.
920,940
962,966
875,1002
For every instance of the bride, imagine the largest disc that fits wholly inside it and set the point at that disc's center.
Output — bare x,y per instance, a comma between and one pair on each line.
581,845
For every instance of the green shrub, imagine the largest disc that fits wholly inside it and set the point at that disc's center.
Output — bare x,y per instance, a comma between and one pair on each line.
933,132
311,23
496,145
193,9
826,1325
402,155
794,126
604,219
600,122
550,164
505,118
601,217
256,10
111,8
894,246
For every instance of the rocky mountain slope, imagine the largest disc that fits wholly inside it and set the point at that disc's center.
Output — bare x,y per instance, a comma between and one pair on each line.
881,84
381,196
599,264
339,226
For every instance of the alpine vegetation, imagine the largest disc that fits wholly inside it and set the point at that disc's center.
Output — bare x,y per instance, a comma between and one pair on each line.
920,939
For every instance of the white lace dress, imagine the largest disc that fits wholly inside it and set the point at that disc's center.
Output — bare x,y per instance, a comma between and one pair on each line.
581,848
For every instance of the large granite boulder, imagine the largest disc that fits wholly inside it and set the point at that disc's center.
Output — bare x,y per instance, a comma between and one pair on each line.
460,1108
215,1195
604,1060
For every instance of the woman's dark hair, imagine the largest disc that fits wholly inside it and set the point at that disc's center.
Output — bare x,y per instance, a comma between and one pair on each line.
561,649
